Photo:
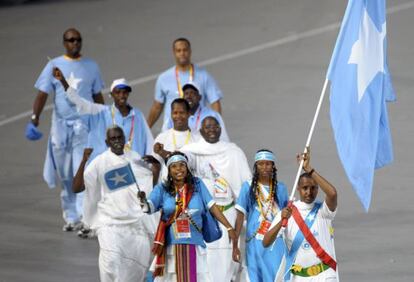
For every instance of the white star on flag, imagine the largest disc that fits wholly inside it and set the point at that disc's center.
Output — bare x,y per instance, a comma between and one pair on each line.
73,81
119,178
368,53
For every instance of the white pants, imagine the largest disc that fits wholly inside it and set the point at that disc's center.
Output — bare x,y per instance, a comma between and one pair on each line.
125,253
66,144
219,255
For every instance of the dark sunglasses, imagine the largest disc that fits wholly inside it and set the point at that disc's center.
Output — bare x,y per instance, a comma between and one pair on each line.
73,39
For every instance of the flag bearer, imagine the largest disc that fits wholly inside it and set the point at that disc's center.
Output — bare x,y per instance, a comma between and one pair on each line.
309,234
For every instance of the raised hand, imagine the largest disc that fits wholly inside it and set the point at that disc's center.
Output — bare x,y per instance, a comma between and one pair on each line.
57,73
306,159
87,153
158,148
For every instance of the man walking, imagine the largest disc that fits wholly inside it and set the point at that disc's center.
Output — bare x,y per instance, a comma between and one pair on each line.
68,134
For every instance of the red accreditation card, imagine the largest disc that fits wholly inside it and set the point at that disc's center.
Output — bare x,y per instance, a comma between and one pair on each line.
182,228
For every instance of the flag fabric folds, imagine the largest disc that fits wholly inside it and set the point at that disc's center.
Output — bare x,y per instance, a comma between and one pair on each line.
360,87
119,178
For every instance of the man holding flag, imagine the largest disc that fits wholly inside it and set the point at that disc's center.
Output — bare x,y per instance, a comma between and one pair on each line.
360,87
111,207
309,234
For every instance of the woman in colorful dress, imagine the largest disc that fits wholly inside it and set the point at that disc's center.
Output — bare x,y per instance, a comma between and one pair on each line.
179,247
260,200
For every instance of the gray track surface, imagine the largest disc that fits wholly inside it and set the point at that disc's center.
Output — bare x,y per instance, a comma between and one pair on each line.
270,99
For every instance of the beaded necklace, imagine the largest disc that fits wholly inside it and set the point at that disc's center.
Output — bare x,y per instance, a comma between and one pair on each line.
269,201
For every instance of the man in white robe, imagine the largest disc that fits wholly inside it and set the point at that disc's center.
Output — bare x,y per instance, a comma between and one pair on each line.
111,207
223,167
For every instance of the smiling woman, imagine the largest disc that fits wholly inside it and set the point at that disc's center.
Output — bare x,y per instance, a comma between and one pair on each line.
179,244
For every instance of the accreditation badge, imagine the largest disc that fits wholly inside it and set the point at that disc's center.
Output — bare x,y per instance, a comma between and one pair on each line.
181,227
221,188
263,228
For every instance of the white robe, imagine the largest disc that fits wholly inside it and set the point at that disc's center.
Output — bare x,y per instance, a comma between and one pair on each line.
124,232
229,161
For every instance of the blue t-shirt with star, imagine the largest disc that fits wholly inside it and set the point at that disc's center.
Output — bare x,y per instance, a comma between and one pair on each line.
82,74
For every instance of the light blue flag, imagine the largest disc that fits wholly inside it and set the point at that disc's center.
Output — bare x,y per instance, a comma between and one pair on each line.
119,178
360,87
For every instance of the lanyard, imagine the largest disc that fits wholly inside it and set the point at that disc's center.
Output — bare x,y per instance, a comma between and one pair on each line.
187,139
177,77
128,145
198,117
268,201
181,200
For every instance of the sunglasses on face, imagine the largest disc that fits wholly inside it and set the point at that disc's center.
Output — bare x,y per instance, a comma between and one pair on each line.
73,39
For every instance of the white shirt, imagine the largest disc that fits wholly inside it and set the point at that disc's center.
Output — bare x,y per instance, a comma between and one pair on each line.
104,206
321,229
173,140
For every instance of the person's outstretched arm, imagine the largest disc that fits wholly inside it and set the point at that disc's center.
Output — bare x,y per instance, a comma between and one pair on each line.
223,220
83,106
78,184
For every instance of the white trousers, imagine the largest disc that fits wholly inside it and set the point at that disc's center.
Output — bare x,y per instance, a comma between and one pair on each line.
125,253
219,255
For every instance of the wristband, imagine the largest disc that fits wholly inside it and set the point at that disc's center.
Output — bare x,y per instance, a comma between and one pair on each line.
229,229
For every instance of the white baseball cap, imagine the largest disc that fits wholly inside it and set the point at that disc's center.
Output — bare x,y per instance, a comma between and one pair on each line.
193,85
120,83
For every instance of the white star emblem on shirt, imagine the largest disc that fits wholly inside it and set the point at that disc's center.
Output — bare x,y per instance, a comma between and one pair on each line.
311,217
119,178
73,81
368,53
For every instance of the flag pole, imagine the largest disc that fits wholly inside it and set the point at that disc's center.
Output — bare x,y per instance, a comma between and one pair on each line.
318,108
133,177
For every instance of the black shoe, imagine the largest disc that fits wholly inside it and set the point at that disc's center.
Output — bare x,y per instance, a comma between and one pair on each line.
86,233
69,227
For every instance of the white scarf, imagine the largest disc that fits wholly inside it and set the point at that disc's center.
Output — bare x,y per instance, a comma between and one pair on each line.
226,158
